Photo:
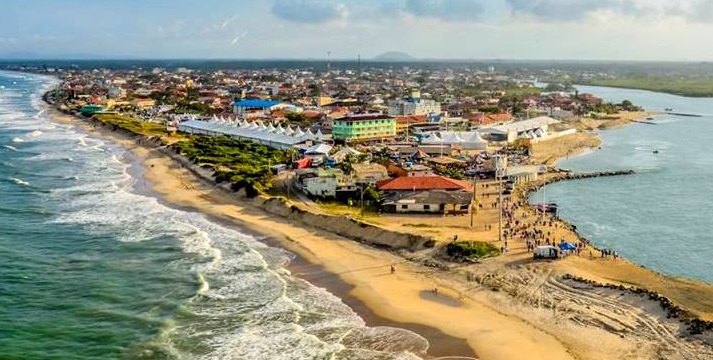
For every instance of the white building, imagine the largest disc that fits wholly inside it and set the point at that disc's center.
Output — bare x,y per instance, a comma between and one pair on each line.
413,107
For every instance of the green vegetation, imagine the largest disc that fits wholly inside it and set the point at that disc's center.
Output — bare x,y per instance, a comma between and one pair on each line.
245,164
700,86
471,250
132,125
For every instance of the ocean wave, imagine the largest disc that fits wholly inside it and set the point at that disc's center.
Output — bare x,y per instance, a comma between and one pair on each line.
36,133
10,147
20,181
18,140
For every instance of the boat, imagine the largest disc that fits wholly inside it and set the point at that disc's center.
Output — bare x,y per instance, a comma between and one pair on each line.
656,151
668,109
547,208
649,118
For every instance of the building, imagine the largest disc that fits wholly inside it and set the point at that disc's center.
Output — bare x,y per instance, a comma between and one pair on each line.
404,123
429,202
534,129
413,107
365,127
426,194
243,107
524,174
421,183
143,103
323,183
369,173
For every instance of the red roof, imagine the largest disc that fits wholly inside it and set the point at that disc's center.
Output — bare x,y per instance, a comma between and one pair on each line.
415,119
423,183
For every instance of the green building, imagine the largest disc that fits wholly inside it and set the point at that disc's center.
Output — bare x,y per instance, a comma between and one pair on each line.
364,127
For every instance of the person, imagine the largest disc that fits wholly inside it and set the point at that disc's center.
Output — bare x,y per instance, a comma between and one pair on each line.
393,269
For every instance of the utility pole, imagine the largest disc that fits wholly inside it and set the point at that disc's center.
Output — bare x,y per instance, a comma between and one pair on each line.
474,208
499,169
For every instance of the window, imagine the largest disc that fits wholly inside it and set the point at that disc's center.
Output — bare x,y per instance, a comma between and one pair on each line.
404,207
426,207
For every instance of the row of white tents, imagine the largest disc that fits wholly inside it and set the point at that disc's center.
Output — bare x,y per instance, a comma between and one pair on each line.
465,140
277,137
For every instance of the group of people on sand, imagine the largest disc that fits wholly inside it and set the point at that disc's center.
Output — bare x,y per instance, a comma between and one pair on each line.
605,253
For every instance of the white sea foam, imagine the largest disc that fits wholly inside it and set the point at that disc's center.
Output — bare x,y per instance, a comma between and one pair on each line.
18,140
20,182
10,147
36,133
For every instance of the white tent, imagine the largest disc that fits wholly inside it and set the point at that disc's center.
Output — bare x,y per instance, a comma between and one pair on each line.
432,139
451,138
473,141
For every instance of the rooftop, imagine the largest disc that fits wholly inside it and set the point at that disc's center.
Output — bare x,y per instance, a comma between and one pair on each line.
365,117
262,104
416,183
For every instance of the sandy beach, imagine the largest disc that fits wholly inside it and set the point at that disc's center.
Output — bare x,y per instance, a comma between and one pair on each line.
503,308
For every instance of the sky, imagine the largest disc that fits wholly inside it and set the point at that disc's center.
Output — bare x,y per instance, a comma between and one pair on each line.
309,29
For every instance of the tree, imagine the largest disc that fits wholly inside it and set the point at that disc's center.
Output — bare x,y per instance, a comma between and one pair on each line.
347,164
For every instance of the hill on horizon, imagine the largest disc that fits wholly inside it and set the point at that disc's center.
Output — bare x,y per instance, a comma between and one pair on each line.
394,56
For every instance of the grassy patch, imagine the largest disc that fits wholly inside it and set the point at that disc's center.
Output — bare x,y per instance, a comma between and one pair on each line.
471,250
135,126
418,225
245,164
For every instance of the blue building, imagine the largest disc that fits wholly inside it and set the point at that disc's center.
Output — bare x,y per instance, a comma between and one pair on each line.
244,107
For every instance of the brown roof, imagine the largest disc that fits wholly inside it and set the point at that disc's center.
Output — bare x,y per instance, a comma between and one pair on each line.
423,183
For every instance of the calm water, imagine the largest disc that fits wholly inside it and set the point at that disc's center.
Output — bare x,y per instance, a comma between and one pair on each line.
92,269
661,217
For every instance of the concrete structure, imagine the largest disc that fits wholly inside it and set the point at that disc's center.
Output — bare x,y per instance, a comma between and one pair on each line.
535,128
413,106
323,183
243,107
365,127
523,174
369,173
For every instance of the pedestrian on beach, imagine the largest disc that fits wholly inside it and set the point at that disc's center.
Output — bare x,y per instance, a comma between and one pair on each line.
393,269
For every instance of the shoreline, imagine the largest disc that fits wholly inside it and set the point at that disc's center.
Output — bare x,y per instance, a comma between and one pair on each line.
491,341
441,345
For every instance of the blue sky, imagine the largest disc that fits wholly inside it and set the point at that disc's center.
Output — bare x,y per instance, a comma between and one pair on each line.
448,29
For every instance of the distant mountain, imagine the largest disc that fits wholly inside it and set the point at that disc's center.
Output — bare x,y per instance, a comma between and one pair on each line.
394,56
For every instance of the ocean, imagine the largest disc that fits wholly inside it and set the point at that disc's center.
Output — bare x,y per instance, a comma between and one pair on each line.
661,216
92,266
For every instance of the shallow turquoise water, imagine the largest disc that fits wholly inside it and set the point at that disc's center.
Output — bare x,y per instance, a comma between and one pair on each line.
662,217
91,267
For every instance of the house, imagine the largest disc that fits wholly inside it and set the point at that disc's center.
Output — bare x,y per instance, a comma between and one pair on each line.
419,183
323,183
404,123
523,174
143,103
426,194
369,173
431,202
